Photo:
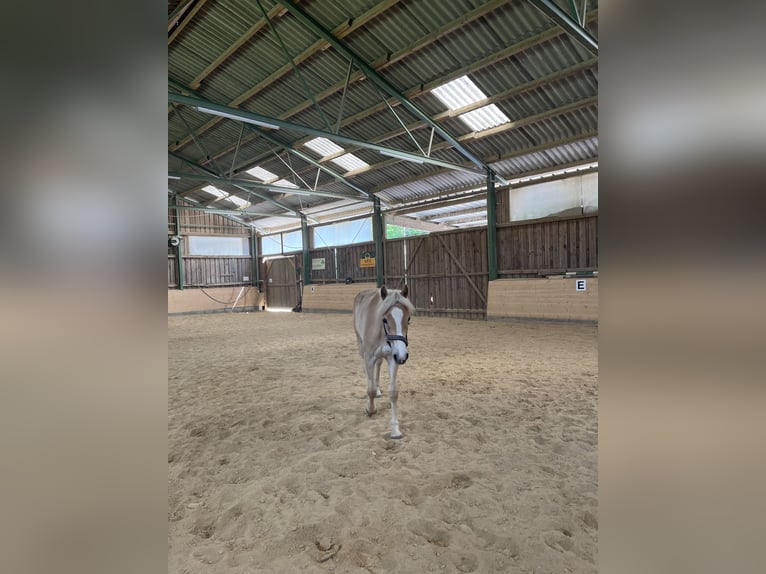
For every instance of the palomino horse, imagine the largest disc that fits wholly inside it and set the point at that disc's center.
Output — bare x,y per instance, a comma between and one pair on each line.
380,321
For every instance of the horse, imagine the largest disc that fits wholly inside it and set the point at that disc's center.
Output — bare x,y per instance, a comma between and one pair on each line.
381,318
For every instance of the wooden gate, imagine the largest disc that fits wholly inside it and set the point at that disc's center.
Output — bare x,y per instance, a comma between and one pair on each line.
282,283
446,272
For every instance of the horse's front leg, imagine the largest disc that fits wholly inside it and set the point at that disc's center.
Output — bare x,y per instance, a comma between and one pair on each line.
377,377
371,366
393,395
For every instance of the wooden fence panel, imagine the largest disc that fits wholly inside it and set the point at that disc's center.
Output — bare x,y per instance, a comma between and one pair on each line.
348,257
546,247
172,271
446,272
202,271
326,275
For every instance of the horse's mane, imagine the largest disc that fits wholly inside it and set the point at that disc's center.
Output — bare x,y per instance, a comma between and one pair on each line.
394,297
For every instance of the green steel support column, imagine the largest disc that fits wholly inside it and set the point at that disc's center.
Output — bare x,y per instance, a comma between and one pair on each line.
254,256
306,254
179,249
491,226
378,233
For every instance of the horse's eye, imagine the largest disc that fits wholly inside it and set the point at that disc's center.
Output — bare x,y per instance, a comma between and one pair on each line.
408,320
385,321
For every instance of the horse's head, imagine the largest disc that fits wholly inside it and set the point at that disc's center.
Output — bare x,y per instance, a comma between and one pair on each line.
396,319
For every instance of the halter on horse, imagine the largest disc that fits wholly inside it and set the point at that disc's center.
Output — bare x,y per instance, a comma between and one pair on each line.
380,321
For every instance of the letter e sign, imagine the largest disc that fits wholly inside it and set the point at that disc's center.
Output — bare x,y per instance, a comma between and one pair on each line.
580,284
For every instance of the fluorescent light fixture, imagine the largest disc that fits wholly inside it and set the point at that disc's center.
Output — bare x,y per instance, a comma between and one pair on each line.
399,155
173,177
237,118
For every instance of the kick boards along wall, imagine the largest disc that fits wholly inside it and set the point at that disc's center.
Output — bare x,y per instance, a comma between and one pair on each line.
207,283
447,272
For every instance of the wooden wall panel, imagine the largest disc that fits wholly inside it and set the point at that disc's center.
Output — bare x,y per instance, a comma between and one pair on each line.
203,271
547,247
503,205
446,272
326,275
200,271
172,271
348,263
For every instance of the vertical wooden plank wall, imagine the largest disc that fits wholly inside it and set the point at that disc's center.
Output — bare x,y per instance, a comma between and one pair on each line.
447,273
348,257
202,271
546,247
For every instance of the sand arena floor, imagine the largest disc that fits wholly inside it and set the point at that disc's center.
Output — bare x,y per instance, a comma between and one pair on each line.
273,465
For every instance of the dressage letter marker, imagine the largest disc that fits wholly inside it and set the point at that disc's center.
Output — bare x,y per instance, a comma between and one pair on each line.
580,284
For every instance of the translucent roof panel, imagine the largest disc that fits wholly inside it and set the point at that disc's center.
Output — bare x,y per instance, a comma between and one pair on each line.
238,201
463,92
459,93
323,146
214,191
350,162
284,183
484,118
262,174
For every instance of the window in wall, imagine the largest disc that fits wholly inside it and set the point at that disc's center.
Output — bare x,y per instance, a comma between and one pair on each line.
271,244
206,245
292,241
343,233
462,92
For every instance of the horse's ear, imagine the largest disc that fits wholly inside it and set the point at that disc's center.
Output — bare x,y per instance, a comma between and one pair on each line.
405,291
383,292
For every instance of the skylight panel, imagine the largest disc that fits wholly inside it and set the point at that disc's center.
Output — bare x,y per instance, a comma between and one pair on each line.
262,174
463,92
350,162
484,118
238,201
459,93
214,191
323,146
284,183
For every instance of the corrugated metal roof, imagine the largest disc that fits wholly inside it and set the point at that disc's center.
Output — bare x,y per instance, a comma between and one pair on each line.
504,47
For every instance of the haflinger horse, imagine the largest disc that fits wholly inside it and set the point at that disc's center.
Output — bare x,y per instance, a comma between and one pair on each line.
381,318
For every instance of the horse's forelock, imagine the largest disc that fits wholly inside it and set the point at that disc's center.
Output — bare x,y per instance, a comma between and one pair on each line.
395,298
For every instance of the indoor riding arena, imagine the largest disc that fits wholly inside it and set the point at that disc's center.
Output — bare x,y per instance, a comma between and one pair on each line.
318,149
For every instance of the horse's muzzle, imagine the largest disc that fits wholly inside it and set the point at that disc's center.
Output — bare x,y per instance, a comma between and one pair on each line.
401,360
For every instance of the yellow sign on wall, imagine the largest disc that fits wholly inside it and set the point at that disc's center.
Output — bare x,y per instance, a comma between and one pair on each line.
367,262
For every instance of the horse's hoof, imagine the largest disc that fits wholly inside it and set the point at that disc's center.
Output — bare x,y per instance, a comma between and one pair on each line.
397,436
368,413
